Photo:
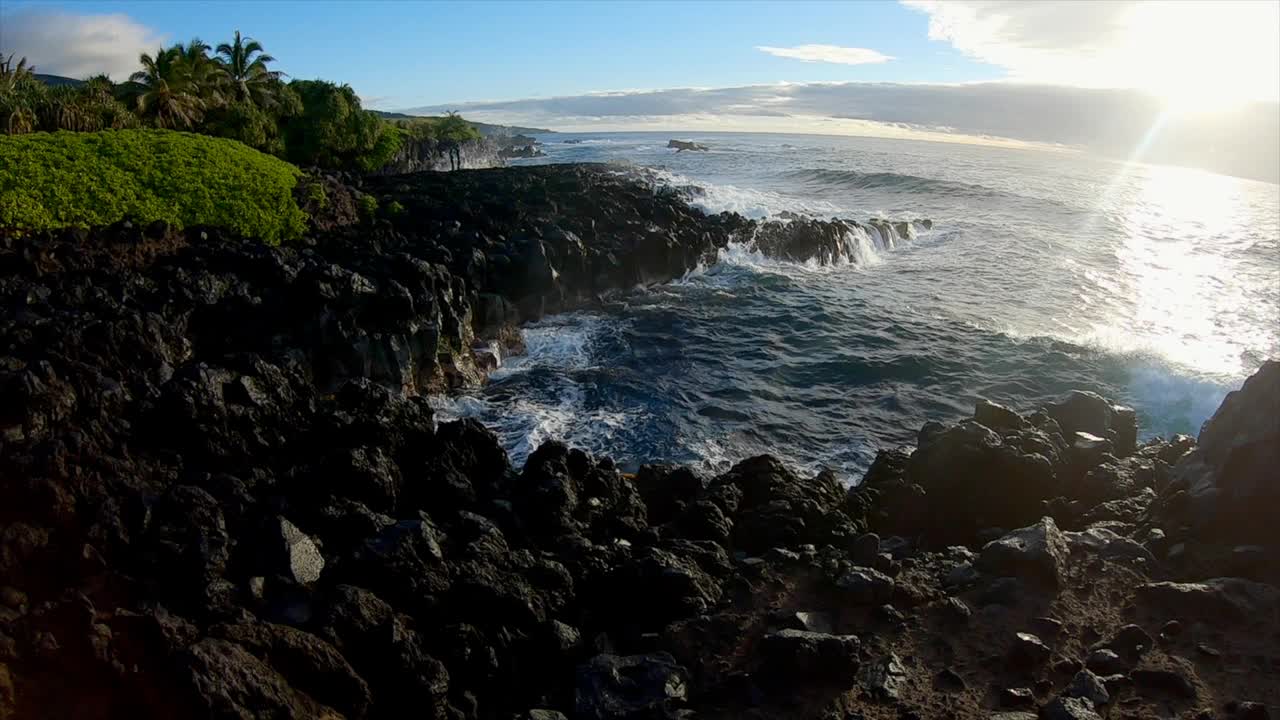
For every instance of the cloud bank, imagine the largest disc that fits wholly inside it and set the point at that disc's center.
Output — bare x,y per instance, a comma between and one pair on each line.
1229,49
77,46
827,53
1115,123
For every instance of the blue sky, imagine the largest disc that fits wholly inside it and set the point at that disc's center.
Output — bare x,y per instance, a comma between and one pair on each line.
403,54
1098,76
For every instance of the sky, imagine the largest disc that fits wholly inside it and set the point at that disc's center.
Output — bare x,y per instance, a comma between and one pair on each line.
1096,76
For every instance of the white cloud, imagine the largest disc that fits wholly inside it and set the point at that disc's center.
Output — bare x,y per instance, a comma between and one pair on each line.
1209,52
62,43
827,53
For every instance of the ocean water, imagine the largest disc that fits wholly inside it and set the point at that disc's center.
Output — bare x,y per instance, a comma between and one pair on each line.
1045,271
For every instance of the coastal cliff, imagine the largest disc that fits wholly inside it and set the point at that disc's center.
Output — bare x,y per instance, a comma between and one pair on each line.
225,496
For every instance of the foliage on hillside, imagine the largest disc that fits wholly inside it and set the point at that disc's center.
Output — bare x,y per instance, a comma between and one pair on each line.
231,93
66,179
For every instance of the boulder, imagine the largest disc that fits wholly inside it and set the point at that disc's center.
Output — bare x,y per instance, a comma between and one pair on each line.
791,656
681,145
1088,686
1214,599
1231,489
1088,412
885,678
865,586
1038,553
611,687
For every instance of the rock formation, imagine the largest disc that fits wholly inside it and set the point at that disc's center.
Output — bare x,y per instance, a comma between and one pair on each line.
224,496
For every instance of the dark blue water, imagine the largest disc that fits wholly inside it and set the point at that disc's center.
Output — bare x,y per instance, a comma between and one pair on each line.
1046,271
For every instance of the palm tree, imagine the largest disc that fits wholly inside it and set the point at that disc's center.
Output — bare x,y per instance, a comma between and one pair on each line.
167,95
245,64
204,73
19,93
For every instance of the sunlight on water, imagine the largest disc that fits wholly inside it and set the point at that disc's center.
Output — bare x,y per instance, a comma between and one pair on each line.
1175,264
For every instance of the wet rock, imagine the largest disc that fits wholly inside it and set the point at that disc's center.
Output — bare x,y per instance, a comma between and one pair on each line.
997,417
1038,553
792,655
611,687
1091,413
1229,494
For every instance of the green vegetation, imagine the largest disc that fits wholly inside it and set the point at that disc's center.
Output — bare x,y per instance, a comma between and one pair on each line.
66,179
450,132
232,93
368,206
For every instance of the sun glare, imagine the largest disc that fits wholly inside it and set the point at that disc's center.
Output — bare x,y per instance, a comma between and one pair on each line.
1205,57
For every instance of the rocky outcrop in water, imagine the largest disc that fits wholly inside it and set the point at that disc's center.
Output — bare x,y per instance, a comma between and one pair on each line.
221,498
682,145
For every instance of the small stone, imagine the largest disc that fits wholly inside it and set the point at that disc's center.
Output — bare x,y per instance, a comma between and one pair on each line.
1087,685
961,575
890,614
1028,651
1208,651
1105,662
1065,708
1017,698
297,556
1170,630
819,622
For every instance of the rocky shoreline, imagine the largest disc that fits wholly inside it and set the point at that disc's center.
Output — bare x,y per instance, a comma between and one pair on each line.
225,496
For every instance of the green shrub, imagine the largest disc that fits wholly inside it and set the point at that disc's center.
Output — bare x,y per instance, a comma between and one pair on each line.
395,209
64,179
368,206
317,196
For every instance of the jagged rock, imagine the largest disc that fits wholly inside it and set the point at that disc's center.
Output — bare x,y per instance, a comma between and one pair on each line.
681,145
1233,598
1088,412
997,417
864,586
295,554
225,680
885,677
1038,553
1105,661
1089,686
539,714
1228,492
792,655
610,687
1069,708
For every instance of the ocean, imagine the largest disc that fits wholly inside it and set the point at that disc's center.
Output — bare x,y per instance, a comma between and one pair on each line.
1045,271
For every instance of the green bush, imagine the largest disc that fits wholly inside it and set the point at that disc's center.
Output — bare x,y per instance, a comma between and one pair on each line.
368,206
395,209
65,179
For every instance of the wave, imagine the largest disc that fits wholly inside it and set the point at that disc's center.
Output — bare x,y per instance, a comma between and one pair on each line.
748,202
852,179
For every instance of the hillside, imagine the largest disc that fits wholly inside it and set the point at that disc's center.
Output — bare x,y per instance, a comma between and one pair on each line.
485,129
